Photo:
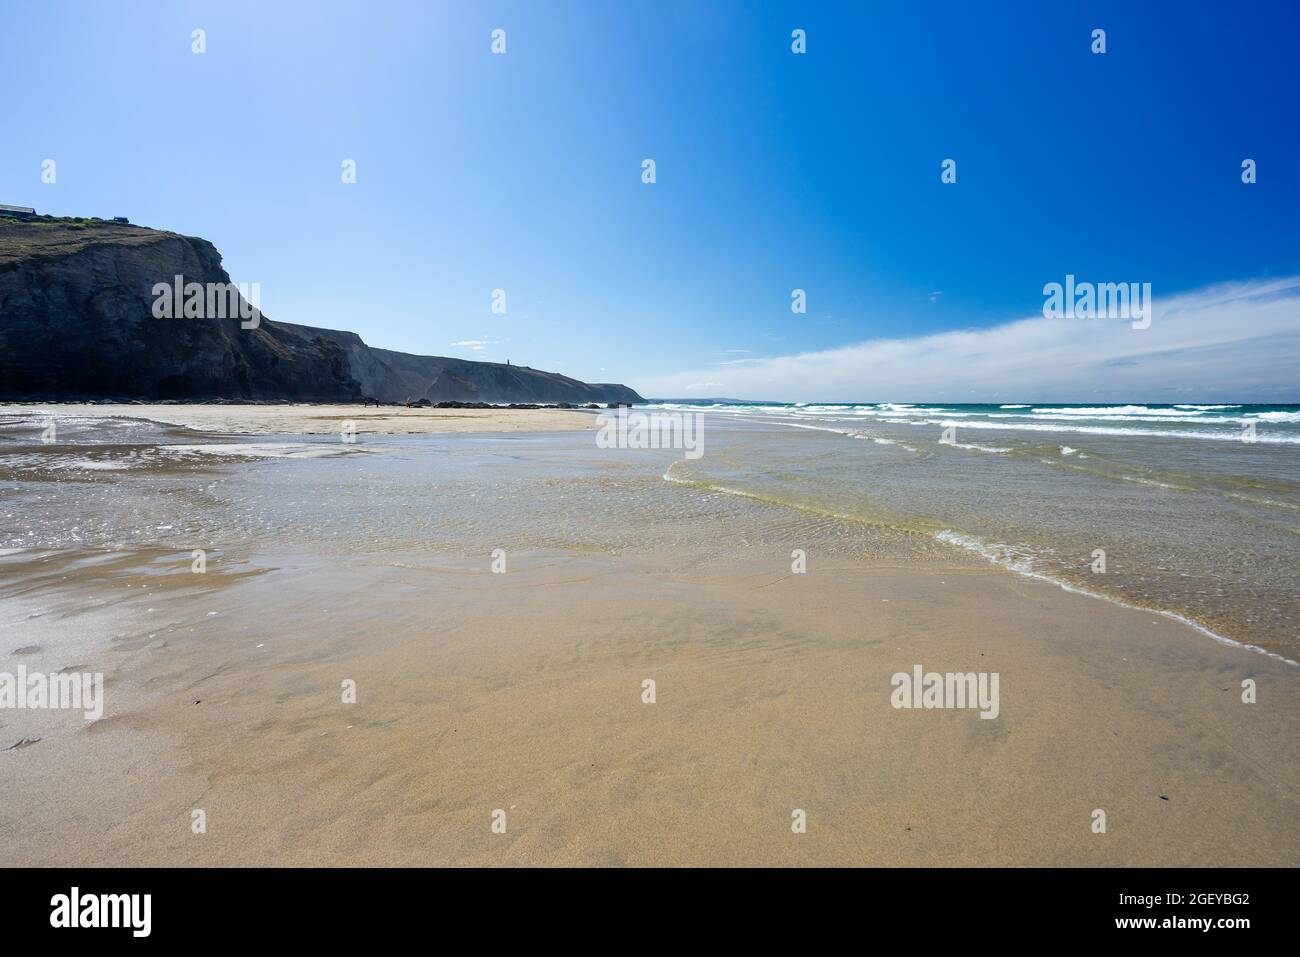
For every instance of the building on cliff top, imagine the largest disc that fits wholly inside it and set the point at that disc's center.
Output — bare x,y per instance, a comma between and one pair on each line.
19,212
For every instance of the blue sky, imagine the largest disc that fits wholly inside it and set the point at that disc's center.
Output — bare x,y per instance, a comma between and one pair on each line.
775,171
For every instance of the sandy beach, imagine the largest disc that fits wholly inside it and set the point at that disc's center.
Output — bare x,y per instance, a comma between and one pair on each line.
329,419
478,692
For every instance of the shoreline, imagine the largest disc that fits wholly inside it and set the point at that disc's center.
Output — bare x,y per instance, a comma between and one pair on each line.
952,538
959,544
478,691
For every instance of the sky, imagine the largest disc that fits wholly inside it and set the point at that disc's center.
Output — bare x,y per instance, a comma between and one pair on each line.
774,171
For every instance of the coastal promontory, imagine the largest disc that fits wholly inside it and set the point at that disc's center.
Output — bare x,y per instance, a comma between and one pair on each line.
79,320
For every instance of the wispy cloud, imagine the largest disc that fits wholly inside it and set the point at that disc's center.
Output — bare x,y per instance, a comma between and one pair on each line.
1233,341
478,345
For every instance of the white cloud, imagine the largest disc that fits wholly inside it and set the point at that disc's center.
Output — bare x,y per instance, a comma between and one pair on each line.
1235,341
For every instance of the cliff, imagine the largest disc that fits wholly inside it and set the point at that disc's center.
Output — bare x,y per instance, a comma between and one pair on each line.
77,322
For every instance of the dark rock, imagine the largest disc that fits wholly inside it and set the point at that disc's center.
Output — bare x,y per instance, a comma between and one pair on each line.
77,324
76,321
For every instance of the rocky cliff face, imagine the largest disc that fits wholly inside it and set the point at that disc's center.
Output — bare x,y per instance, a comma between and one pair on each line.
77,322
401,377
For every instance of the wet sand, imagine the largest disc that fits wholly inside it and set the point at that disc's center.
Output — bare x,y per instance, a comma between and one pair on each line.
330,419
523,692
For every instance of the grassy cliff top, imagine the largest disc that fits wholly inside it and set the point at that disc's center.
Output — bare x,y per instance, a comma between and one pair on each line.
61,236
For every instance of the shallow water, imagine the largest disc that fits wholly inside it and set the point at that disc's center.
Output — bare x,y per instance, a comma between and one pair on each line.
1204,528
1191,518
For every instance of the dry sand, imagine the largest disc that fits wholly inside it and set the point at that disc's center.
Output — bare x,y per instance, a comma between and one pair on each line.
523,692
329,419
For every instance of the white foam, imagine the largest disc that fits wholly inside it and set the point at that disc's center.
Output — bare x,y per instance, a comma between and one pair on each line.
265,450
1229,435
54,462
994,450
1112,410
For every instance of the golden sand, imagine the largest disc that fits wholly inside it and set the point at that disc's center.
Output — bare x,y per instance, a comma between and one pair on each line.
331,419
523,692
